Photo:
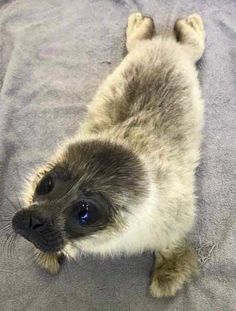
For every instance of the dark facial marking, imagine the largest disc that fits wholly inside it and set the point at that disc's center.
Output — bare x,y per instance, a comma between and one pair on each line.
46,185
87,214
106,168
81,194
38,229
53,184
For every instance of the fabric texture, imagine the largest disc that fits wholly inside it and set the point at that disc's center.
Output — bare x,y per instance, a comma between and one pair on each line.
53,55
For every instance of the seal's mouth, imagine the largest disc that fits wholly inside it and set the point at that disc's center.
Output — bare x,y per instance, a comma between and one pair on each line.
47,246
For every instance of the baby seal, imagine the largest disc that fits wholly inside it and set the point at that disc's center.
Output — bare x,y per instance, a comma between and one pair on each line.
125,183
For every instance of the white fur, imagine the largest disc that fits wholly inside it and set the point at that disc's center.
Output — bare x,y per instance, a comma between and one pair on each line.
149,226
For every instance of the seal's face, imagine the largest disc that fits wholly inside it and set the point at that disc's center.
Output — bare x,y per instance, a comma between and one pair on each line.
89,188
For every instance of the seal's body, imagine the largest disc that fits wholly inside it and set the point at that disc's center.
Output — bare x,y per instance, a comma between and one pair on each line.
125,183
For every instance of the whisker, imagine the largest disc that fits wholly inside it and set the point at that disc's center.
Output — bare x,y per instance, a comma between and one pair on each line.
20,204
18,173
8,226
8,244
9,213
32,256
11,245
5,243
12,204
5,231
5,220
14,243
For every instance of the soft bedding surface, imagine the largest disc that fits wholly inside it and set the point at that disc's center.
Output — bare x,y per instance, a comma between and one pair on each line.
53,54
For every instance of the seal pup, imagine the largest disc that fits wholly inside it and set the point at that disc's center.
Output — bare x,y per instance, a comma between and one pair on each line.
125,183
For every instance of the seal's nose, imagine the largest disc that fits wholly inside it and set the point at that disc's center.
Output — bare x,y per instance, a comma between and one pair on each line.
26,221
38,229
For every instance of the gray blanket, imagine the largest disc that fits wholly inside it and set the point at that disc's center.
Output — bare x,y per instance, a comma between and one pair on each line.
53,54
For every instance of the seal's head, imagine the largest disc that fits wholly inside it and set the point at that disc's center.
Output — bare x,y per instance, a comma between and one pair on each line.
84,196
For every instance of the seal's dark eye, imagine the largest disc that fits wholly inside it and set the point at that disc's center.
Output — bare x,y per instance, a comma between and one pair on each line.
87,212
45,185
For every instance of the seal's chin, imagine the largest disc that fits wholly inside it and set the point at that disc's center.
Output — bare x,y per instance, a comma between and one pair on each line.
52,247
